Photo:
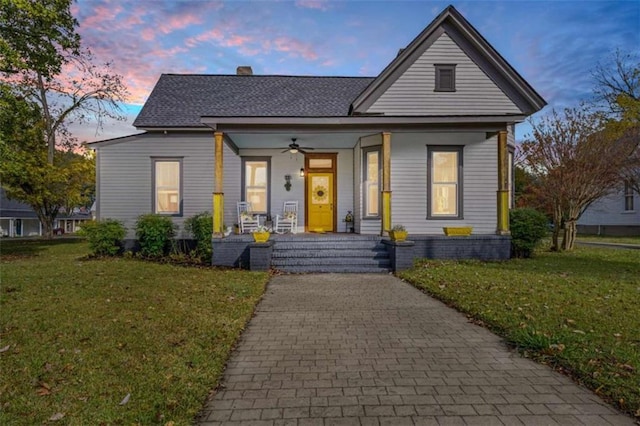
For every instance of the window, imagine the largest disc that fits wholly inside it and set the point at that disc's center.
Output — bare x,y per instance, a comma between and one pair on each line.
444,182
371,180
167,178
445,78
255,183
628,197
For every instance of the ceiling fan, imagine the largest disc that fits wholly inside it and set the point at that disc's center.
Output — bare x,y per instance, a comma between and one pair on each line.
294,148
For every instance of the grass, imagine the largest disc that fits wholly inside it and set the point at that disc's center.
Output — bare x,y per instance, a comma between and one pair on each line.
576,311
113,341
604,239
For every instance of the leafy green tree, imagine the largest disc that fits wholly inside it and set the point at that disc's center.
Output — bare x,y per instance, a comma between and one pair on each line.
617,85
35,35
575,161
25,172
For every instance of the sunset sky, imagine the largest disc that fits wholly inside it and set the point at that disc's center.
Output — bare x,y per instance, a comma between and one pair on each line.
553,45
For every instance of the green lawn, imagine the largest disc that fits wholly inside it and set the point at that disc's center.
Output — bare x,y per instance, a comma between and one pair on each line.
602,239
578,311
113,341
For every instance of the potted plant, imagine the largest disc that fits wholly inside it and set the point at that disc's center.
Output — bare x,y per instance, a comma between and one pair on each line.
398,233
261,234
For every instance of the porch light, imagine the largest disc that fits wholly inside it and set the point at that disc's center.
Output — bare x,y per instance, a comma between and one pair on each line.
301,172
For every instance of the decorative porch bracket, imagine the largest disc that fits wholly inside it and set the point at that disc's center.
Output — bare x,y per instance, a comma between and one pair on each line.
218,194
503,185
386,183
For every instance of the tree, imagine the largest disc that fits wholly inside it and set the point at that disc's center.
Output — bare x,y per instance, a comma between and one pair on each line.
34,34
617,84
574,162
48,82
86,92
26,173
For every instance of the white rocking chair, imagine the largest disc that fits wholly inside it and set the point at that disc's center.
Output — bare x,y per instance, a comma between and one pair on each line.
246,219
288,222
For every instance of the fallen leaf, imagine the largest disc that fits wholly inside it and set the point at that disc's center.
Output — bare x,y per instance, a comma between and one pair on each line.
6,348
579,332
570,321
125,400
618,335
43,391
56,417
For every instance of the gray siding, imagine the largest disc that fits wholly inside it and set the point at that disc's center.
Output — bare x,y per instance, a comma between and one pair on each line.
409,181
609,210
125,187
412,93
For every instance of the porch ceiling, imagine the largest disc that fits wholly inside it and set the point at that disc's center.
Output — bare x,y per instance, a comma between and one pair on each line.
282,140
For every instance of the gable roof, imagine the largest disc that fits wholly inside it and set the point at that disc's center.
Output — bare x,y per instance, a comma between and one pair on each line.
473,44
179,100
14,208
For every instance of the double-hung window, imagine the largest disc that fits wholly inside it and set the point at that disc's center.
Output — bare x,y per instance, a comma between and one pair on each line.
628,197
444,182
371,179
167,182
255,183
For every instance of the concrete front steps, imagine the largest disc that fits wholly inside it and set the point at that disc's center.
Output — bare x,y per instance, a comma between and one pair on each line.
331,253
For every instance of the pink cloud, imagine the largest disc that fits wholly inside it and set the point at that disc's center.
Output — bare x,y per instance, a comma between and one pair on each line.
313,4
102,15
148,34
178,22
236,40
295,47
214,34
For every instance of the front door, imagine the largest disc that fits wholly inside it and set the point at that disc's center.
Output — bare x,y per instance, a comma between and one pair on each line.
320,202
320,192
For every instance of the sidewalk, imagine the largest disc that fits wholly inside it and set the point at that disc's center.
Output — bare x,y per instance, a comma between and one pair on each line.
369,349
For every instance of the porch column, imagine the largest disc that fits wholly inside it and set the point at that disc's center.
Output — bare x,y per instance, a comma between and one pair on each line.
218,192
503,185
386,182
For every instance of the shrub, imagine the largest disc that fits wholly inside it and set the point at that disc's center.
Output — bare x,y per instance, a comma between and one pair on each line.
105,236
201,228
528,227
155,234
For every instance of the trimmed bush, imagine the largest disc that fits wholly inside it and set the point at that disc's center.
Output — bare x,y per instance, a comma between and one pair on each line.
201,227
104,236
528,227
155,234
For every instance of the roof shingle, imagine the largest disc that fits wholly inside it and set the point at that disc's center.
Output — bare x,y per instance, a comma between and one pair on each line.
179,100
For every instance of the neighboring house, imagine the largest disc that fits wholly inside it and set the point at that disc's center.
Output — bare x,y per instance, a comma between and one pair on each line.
617,214
423,144
20,220
17,219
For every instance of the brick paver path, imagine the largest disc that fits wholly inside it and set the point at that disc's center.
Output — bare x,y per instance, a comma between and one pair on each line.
369,349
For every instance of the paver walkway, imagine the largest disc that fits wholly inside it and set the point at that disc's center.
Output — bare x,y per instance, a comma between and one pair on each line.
370,349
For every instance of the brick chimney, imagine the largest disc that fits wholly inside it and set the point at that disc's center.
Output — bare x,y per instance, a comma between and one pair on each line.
244,70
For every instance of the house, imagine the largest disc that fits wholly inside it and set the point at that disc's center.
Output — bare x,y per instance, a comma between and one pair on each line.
617,214
17,219
424,144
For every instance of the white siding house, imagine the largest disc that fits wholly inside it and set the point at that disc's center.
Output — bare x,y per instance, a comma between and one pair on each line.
423,144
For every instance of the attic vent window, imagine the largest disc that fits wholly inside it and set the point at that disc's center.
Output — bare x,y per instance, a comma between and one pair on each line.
445,78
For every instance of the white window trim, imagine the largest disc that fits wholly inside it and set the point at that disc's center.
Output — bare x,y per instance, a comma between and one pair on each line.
154,161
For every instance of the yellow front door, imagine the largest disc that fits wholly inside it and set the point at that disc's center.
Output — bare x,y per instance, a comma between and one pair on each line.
320,202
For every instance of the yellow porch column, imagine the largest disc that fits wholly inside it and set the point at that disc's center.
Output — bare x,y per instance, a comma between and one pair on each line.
386,182
503,185
218,192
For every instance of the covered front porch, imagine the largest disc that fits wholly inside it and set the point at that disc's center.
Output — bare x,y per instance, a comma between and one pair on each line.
335,170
